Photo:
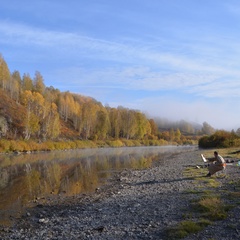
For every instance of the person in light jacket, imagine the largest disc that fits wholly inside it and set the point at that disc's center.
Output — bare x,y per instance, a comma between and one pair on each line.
218,164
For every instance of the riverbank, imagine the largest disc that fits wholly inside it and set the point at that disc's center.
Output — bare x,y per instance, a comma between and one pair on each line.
28,146
135,204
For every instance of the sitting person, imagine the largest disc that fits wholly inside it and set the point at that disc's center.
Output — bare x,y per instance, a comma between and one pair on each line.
218,164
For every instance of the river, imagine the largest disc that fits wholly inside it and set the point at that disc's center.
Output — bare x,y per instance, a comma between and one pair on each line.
26,178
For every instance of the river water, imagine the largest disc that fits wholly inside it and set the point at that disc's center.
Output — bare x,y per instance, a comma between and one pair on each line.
25,178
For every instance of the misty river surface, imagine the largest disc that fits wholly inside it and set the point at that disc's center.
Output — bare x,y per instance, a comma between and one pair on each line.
24,178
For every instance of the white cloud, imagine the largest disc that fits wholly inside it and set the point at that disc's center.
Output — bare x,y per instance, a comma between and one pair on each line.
135,52
144,78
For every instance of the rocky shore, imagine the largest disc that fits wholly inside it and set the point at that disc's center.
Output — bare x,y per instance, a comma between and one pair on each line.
135,204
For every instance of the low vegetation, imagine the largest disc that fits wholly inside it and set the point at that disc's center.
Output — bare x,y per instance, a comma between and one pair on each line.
211,207
220,139
18,146
186,227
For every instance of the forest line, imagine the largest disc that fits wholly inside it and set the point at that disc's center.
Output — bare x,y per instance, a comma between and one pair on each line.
31,111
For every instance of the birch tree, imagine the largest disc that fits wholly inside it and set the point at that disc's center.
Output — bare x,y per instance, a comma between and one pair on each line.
4,73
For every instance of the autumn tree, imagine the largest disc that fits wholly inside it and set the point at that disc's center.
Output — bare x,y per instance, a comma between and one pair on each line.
3,126
142,124
66,105
27,83
4,73
15,89
42,117
128,126
77,115
131,123
89,119
103,124
115,122
177,135
154,127
52,94
207,129
38,83
51,123
31,121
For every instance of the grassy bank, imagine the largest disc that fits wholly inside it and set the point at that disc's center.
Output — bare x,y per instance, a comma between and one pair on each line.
7,146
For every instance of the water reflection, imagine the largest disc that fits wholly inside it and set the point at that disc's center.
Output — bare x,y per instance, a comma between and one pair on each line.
26,177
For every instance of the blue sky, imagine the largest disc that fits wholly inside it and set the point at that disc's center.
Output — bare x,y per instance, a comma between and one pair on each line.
168,58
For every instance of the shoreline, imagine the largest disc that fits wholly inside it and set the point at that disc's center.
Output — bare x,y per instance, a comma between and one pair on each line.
32,146
135,204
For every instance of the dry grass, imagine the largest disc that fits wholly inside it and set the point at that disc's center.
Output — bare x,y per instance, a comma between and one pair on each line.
184,228
212,207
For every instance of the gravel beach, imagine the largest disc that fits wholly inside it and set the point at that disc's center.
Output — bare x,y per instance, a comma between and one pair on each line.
135,204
